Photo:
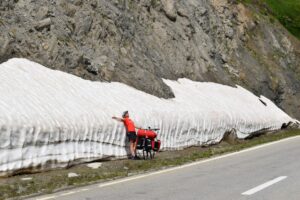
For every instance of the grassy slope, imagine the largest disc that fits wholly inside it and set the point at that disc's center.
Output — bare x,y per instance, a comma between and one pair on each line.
288,13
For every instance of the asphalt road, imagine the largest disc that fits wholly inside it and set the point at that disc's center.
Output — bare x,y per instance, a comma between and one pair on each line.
263,173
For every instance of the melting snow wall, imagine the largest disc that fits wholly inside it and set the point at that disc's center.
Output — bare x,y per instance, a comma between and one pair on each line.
50,118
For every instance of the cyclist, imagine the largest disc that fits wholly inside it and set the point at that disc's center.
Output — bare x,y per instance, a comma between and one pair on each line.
130,132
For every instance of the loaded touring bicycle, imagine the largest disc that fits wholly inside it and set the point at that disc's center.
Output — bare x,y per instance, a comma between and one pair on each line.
147,142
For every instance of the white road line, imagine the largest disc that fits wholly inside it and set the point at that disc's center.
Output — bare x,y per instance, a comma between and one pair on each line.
68,193
64,194
263,186
194,163
46,198
83,190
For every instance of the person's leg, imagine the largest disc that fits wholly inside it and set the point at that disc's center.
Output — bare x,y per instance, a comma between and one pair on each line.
132,151
133,144
134,147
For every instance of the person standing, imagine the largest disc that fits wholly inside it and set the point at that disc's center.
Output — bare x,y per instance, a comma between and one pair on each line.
130,132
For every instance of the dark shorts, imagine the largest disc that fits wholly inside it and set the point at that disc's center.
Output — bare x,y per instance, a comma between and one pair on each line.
131,136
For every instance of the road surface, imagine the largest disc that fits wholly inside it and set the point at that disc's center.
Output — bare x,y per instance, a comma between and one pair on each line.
266,172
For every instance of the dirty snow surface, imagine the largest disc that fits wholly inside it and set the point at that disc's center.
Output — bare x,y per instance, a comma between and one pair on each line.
50,118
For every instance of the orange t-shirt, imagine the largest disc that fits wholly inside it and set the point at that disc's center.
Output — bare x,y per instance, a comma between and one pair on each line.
129,125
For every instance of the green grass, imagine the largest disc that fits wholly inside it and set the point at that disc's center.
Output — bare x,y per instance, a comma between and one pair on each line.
286,11
47,182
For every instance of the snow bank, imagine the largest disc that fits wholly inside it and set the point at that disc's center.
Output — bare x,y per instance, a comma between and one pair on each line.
49,118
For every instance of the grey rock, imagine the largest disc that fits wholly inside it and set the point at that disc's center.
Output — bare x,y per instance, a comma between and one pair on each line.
4,43
291,125
138,45
182,12
230,137
7,4
42,13
72,175
69,9
126,27
101,63
202,11
90,66
92,69
53,45
94,3
224,58
83,23
169,7
45,23
229,32
102,60
107,72
243,38
26,179
94,165
77,2
123,51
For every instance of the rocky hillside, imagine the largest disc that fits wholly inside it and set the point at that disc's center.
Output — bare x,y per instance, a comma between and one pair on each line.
139,42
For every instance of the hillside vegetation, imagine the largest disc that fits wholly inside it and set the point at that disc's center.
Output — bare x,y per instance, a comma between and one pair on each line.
288,13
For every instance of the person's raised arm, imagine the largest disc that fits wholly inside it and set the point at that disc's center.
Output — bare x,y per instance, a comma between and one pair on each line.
118,119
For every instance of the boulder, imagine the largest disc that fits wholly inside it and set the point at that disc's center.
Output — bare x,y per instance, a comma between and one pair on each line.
83,24
72,175
42,13
169,8
229,32
45,23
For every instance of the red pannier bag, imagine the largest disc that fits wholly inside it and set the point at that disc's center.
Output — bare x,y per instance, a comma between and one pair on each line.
146,133
156,145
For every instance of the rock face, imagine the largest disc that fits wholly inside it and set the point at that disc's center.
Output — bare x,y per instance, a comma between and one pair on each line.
170,9
50,118
140,42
